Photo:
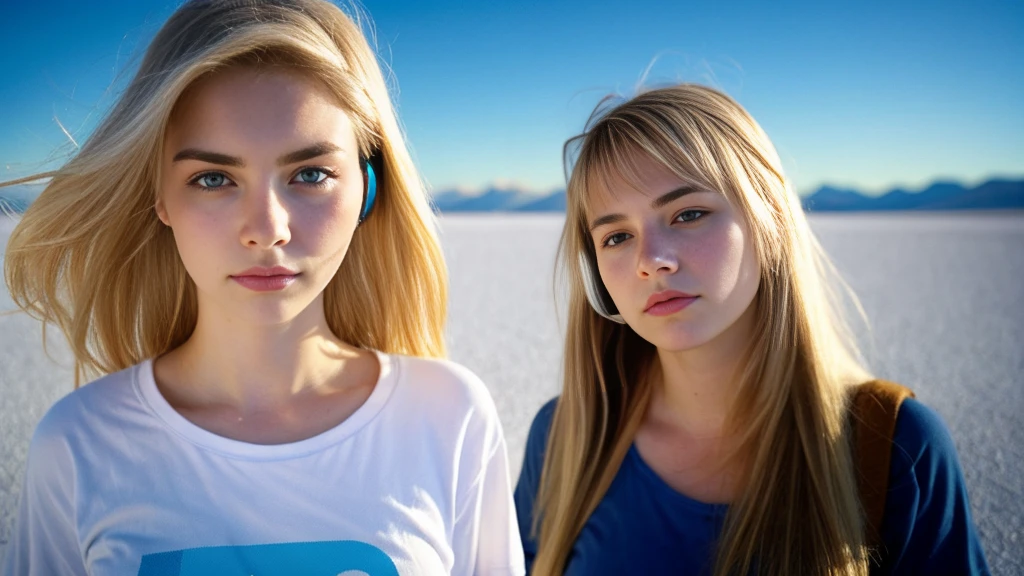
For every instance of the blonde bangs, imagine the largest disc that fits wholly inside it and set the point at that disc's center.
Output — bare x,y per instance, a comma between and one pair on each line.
790,415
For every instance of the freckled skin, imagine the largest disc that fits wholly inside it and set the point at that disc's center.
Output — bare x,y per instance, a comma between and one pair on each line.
264,214
712,256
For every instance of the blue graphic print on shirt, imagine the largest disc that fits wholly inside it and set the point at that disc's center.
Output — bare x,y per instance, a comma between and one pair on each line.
306,558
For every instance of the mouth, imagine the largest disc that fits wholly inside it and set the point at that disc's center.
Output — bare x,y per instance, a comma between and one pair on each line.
262,279
668,302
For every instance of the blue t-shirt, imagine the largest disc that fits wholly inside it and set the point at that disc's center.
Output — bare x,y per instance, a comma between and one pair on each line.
643,526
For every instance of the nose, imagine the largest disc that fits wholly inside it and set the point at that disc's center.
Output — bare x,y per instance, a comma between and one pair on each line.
657,255
266,220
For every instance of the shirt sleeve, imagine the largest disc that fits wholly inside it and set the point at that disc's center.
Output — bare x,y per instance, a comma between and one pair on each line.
484,538
45,538
529,478
927,528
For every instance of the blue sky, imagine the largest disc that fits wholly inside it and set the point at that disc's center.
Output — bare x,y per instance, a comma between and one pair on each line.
870,95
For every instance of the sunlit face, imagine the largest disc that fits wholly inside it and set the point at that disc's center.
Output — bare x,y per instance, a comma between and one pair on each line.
677,260
262,187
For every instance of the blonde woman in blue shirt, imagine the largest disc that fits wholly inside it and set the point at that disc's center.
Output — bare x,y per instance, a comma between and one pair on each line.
704,423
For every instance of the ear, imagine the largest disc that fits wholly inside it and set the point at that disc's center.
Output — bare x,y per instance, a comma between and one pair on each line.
161,211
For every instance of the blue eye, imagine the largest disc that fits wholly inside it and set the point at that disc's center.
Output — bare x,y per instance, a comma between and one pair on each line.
210,180
615,239
311,176
691,215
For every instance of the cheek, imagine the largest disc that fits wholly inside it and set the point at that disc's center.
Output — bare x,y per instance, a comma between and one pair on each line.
727,264
196,232
617,270
326,228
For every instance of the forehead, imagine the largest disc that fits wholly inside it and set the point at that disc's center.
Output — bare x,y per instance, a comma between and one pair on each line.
244,106
634,179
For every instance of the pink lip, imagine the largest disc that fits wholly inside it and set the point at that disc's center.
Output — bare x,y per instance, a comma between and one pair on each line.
260,279
668,302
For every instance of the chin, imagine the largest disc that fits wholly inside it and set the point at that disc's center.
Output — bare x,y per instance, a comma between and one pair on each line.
677,337
265,310
277,313
678,344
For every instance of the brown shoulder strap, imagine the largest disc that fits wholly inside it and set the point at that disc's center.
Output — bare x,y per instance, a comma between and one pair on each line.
875,406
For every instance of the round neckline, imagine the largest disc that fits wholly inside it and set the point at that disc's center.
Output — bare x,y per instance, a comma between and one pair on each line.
387,380
662,486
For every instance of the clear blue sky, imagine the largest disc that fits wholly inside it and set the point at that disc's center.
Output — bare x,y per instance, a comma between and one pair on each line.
864,94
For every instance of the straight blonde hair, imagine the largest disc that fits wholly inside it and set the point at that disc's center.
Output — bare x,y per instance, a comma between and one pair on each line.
90,256
798,510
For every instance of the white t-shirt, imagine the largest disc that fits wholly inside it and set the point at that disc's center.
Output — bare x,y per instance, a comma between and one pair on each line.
414,482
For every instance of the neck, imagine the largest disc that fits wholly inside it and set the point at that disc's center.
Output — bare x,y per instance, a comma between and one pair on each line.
256,367
694,390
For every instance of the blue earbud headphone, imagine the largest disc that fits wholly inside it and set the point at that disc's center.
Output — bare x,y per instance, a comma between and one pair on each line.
370,188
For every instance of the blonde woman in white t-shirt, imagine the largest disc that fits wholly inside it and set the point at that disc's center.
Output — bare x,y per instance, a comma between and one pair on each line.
244,252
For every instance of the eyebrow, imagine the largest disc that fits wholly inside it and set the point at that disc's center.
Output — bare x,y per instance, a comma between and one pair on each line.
659,202
208,157
307,153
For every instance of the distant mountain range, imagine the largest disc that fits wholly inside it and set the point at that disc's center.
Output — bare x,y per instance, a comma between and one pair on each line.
991,195
499,200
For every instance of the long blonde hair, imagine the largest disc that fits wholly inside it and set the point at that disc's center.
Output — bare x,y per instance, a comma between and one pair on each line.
90,256
797,511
